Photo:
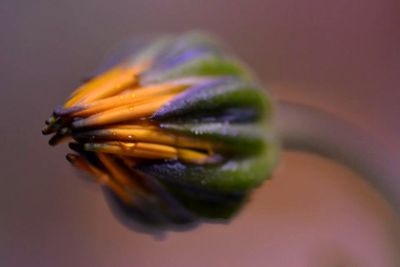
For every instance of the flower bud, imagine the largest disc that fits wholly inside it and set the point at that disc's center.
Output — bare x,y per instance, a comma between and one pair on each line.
175,132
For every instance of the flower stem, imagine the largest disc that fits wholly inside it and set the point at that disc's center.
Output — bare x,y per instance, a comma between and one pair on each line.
305,128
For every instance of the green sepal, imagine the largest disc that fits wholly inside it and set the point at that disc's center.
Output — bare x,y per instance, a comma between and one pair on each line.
207,65
237,174
207,204
216,96
246,138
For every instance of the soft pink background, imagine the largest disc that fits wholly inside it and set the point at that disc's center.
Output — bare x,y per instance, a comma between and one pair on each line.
340,55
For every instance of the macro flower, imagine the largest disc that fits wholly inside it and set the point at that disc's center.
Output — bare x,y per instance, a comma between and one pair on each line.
176,132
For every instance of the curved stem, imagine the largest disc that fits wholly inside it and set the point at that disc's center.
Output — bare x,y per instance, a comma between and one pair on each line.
308,129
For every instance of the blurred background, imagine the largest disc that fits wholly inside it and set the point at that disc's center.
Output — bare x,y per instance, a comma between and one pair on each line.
342,56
